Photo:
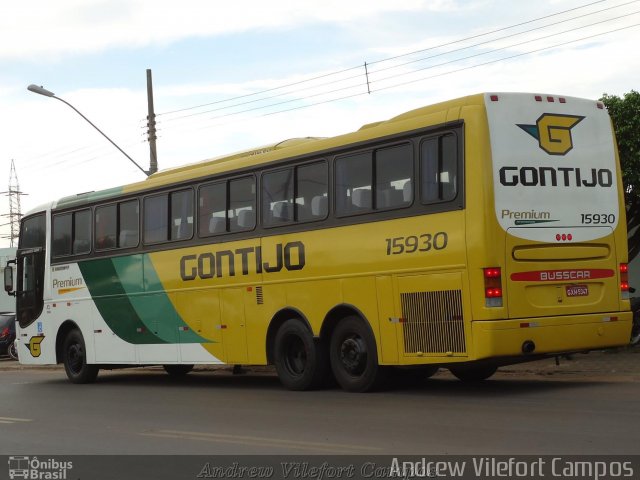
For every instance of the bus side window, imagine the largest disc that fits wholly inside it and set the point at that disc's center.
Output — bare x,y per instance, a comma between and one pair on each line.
181,215
156,218
277,197
212,209
354,176
129,224
81,232
61,237
106,227
438,164
393,169
242,204
312,190
71,233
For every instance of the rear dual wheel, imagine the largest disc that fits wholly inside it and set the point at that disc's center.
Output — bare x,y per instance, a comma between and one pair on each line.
354,357
301,361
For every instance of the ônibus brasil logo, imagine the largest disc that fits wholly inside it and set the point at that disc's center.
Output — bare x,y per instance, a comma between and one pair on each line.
553,132
32,468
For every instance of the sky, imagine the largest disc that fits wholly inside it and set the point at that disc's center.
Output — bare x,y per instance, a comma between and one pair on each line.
231,76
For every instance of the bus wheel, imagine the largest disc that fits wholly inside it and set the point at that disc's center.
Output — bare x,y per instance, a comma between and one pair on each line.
12,351
75,359
301,361
354,359
177,370
473,373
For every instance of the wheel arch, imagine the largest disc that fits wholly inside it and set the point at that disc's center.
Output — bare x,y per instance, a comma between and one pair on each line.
64,329
276,322
339,312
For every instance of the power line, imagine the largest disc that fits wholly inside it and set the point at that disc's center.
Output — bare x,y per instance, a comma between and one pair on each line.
501,38
429,77
404,74
359,67
509,46
355,82
372,73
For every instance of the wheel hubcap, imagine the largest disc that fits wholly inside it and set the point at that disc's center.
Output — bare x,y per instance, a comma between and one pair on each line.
76,357
353,354
296,356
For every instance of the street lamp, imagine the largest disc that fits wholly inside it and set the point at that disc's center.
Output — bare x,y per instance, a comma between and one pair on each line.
43,91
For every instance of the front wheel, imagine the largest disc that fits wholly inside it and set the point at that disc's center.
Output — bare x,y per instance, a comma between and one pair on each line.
354,358
12,351
74,357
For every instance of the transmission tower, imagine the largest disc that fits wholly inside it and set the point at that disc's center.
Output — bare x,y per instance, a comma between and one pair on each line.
15,213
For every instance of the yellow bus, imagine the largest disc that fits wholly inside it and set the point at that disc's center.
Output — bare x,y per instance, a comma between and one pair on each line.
468,235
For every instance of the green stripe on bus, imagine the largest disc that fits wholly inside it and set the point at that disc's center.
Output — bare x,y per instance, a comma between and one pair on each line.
156,309
132,301
114,305
84,198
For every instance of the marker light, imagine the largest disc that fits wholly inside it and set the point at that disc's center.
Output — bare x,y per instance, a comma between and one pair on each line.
624,281
492,286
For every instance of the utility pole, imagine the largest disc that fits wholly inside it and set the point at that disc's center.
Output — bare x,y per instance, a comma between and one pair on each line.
15,213
151,123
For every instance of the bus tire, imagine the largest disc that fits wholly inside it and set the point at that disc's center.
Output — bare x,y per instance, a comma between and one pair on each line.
473,373
74,357
177,370
12,351
354,357
300,360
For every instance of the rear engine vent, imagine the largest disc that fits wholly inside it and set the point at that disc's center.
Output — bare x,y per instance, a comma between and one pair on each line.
433,322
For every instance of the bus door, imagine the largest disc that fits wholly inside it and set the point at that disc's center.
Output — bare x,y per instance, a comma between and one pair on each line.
30,285
234,331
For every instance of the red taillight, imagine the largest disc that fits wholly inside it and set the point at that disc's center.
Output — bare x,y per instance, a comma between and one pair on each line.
492,286
624,280
5,332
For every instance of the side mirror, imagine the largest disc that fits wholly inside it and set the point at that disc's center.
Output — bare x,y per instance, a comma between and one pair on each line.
8,278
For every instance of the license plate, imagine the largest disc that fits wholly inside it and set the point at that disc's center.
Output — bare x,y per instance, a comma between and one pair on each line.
577,290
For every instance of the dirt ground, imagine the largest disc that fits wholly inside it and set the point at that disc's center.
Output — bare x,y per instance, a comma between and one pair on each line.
620,363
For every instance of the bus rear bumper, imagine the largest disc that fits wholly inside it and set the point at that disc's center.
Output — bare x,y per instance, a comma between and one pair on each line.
549,335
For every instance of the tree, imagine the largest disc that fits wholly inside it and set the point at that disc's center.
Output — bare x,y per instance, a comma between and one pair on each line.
625,113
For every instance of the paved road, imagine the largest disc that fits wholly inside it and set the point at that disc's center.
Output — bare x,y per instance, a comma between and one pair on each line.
146,412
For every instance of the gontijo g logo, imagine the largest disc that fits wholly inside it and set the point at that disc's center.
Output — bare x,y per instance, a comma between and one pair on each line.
553,132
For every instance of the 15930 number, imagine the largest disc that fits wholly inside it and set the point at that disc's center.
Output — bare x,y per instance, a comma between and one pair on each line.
597,218
417,243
